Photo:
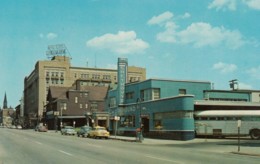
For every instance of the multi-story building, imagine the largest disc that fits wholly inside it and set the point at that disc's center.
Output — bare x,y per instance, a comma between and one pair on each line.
59,72
163,108
76,106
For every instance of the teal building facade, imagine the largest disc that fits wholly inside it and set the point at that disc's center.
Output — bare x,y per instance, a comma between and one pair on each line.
161,108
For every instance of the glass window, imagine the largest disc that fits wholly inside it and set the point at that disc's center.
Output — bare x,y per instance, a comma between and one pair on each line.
127,121
76,99
112,103
182,91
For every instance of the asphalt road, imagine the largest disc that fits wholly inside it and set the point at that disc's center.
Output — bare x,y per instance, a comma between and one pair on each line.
29,147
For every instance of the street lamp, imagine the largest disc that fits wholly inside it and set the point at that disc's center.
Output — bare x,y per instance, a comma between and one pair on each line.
138,101
87,114
63,107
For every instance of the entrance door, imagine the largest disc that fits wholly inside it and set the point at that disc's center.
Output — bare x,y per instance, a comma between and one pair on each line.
145,121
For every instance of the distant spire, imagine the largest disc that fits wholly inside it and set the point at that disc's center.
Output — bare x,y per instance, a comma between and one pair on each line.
5,102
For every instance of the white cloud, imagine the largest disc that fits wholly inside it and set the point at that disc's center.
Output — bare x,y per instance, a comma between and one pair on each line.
224,67
201,34
49,36
244,86
124,42
253,4
169,35
223,4
232,4
254,72
164,17
186,15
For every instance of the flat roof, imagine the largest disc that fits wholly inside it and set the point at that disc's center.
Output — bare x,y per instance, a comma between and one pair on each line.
225,103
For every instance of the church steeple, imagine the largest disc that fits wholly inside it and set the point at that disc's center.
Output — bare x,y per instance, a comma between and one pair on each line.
5,102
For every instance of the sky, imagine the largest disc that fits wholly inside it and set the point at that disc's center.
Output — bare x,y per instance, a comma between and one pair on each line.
206,40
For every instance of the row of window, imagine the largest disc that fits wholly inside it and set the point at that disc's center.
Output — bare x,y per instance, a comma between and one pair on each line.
54,81
94,76
54,74
231,118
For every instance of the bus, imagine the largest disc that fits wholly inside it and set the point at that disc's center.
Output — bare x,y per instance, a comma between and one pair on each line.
224,123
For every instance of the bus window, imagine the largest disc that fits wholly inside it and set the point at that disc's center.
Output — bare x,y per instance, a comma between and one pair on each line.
220,118
231,118
212,118
204,118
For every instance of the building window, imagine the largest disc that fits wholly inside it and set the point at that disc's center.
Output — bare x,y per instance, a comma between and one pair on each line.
150,94
94,106
106,77
182,91
61,81
127,121
112,102
95,76
129,95
155,93
76,100
80,106
47,74
75,75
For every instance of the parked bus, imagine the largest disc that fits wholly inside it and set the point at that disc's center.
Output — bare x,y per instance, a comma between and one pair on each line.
224,123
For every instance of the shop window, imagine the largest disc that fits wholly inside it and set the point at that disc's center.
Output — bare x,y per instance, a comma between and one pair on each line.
127,121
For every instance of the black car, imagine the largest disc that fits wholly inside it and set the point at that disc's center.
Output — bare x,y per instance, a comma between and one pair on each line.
83,131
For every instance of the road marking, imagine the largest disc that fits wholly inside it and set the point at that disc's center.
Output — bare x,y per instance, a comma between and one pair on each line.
37,142
97,146
162,159
65,153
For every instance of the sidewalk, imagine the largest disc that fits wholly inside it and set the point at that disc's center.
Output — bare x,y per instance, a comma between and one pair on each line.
244,148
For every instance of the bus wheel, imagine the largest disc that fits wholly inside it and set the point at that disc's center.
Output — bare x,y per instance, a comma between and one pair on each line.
255,134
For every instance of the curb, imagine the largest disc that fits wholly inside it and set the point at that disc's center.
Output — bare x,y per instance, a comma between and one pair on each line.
250,154
120,139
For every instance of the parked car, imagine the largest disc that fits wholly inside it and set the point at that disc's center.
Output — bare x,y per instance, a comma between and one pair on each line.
41,128
99,132
18,127
68,130
83,131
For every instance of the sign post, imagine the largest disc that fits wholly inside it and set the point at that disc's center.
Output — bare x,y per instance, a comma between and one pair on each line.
117,118
238,133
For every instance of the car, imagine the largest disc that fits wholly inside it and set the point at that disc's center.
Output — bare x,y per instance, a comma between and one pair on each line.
68,130
41,128
83,131
18,127
99,132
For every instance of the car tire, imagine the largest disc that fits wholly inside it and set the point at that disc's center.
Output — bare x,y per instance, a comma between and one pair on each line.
255,134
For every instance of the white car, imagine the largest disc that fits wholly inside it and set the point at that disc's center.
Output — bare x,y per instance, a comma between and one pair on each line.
68,130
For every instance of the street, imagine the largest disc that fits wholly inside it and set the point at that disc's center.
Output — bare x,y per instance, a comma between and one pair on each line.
28,146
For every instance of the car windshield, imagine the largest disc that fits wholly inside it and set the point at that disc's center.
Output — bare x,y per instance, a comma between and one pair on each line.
100,128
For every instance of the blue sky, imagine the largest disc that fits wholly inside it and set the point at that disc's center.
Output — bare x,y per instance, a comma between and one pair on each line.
208,40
